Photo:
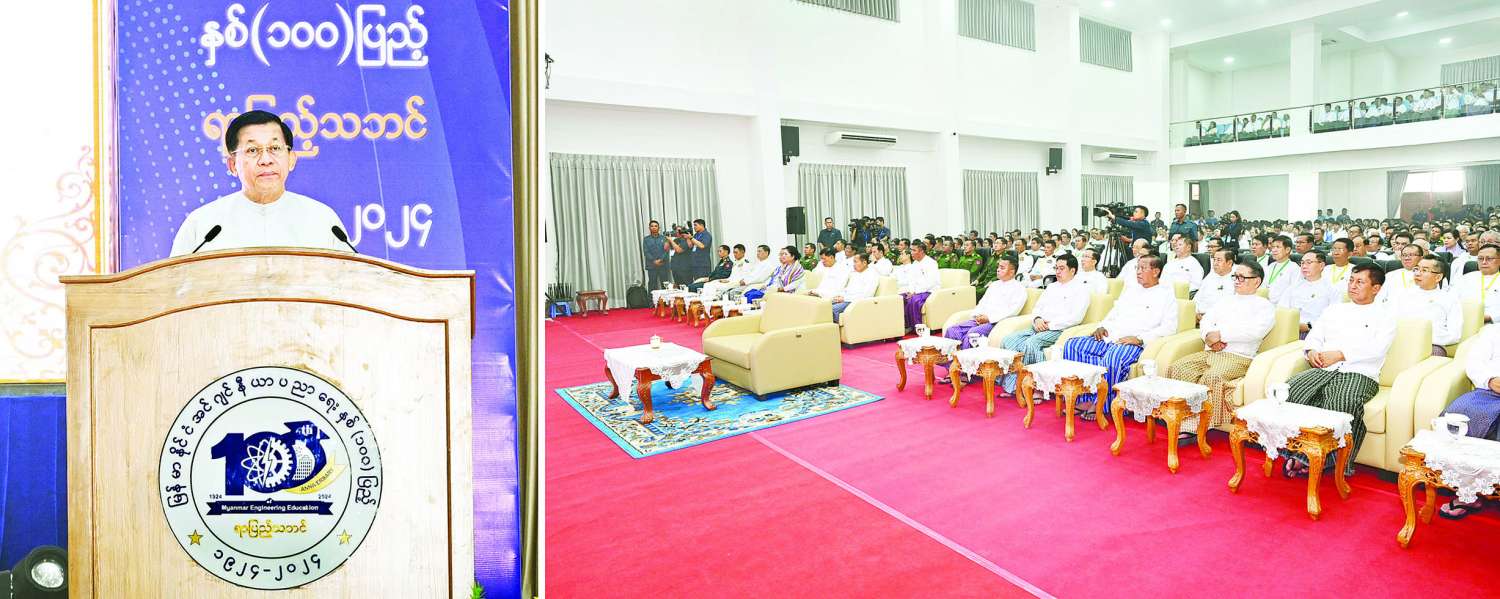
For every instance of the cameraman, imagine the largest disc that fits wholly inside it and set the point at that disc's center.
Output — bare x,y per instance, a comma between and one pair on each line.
702,243
828,235
1135,227
881,232
684,263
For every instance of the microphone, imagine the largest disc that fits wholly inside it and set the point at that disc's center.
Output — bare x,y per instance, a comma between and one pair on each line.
339,233
212,233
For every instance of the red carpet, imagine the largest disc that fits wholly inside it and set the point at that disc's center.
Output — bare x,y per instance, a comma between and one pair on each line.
1065,517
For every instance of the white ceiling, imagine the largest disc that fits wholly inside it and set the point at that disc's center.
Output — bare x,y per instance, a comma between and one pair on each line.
1349,25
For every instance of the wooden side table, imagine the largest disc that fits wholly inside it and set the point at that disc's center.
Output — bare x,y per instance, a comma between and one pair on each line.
1166,399
988,371
927,357
1415,471
587,299
1316,442
1067,388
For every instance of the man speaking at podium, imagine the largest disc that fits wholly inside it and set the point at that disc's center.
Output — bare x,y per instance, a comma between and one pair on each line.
263,213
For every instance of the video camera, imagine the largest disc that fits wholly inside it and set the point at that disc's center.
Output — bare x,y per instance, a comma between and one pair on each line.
863,223
1113,209
681,230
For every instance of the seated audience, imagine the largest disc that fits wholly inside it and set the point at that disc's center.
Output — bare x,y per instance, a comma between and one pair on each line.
1480,286
1043,266
1312,293
1088,272
714,288
1142,314
835,275
1218,283
1002,299
923,281
1183,266
1426,300
1060,307
861,283
1346,349
787,278
1138,248
809,259
1232,332
1481,406
1278,280
878,260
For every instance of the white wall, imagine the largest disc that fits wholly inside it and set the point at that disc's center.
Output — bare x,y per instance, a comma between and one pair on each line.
1424,71
915,151
1257,198
1362,192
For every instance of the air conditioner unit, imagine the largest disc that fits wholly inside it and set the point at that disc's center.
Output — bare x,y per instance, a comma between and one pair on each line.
865,140
1116,157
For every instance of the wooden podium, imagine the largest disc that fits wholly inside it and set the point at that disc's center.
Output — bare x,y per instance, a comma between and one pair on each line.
246,421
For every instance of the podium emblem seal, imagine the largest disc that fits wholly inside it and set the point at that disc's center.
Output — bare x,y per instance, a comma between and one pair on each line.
270,477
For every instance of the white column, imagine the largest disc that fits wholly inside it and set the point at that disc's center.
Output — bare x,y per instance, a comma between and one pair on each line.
768,177
1302,195
1306,57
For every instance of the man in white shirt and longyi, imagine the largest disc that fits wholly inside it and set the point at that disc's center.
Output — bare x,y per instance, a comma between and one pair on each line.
860,283
1232,332
1003,299
1346,349
1060,307
1311,293
1142,314
924,280
1218,284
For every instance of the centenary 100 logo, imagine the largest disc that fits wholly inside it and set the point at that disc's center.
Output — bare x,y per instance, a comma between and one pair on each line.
270,478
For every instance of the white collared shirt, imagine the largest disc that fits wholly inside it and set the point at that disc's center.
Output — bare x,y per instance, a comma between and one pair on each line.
1397,280
1308,297
1242,322
1483,290
1127,274
860,285
1063,305
1281,276
926,278
1146,313
1483,363
1338,276
834,279
759,272
1214,288
1002,299
293,220
1362,332
883,267
1438,306
1184,269
1094,280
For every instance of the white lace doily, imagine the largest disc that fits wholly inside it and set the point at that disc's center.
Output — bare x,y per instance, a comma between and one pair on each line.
1049,374
660,294
1275,422
1469,466
673,363
970,359
1142,395
944,345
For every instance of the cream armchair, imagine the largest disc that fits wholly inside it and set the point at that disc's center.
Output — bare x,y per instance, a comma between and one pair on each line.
791,343
1448,381
1283,331
1407,364
1187,318
954,294
1116,287
1014,322
1473,321
1099,307
874,318
811,279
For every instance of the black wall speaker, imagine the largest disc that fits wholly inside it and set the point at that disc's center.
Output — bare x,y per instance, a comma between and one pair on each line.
1083,216
1054,160
791,144
796,219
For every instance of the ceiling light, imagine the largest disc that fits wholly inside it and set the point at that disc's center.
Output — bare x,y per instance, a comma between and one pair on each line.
1402,14
1166,22
1108,3
1228,60
1445,41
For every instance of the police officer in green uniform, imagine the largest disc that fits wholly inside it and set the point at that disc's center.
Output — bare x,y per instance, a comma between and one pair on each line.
969,260
809,258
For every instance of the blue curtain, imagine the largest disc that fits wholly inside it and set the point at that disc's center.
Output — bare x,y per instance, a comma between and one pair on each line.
33,476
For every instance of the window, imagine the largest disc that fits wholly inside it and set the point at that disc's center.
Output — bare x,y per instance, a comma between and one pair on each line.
1006,22
1435,182
1105,46
889,10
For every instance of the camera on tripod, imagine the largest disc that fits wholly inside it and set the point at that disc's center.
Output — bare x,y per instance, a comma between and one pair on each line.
1112,209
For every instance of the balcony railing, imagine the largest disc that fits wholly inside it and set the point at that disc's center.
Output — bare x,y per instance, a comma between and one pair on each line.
1413,106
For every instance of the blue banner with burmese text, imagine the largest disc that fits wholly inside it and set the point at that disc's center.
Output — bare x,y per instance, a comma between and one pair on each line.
401,118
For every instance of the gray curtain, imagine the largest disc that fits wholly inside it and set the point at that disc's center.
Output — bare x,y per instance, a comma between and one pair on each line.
847,191
1395,185
1105,46
1482,185
889,10
600,207
996,201
1103,189
1471,70
1007,22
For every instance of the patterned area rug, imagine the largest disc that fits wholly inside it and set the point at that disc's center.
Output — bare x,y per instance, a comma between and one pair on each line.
682,422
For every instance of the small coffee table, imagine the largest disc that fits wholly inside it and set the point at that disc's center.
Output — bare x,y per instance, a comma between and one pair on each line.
647,365
1314,432
662,299
1067,380
587,300
926,351
1467,465
1152,397
987,363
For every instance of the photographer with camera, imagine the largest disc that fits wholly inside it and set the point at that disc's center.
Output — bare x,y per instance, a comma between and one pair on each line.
683,263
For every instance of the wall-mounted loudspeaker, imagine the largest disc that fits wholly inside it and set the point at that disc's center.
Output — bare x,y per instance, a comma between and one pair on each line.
796,220
1054,160
790,143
